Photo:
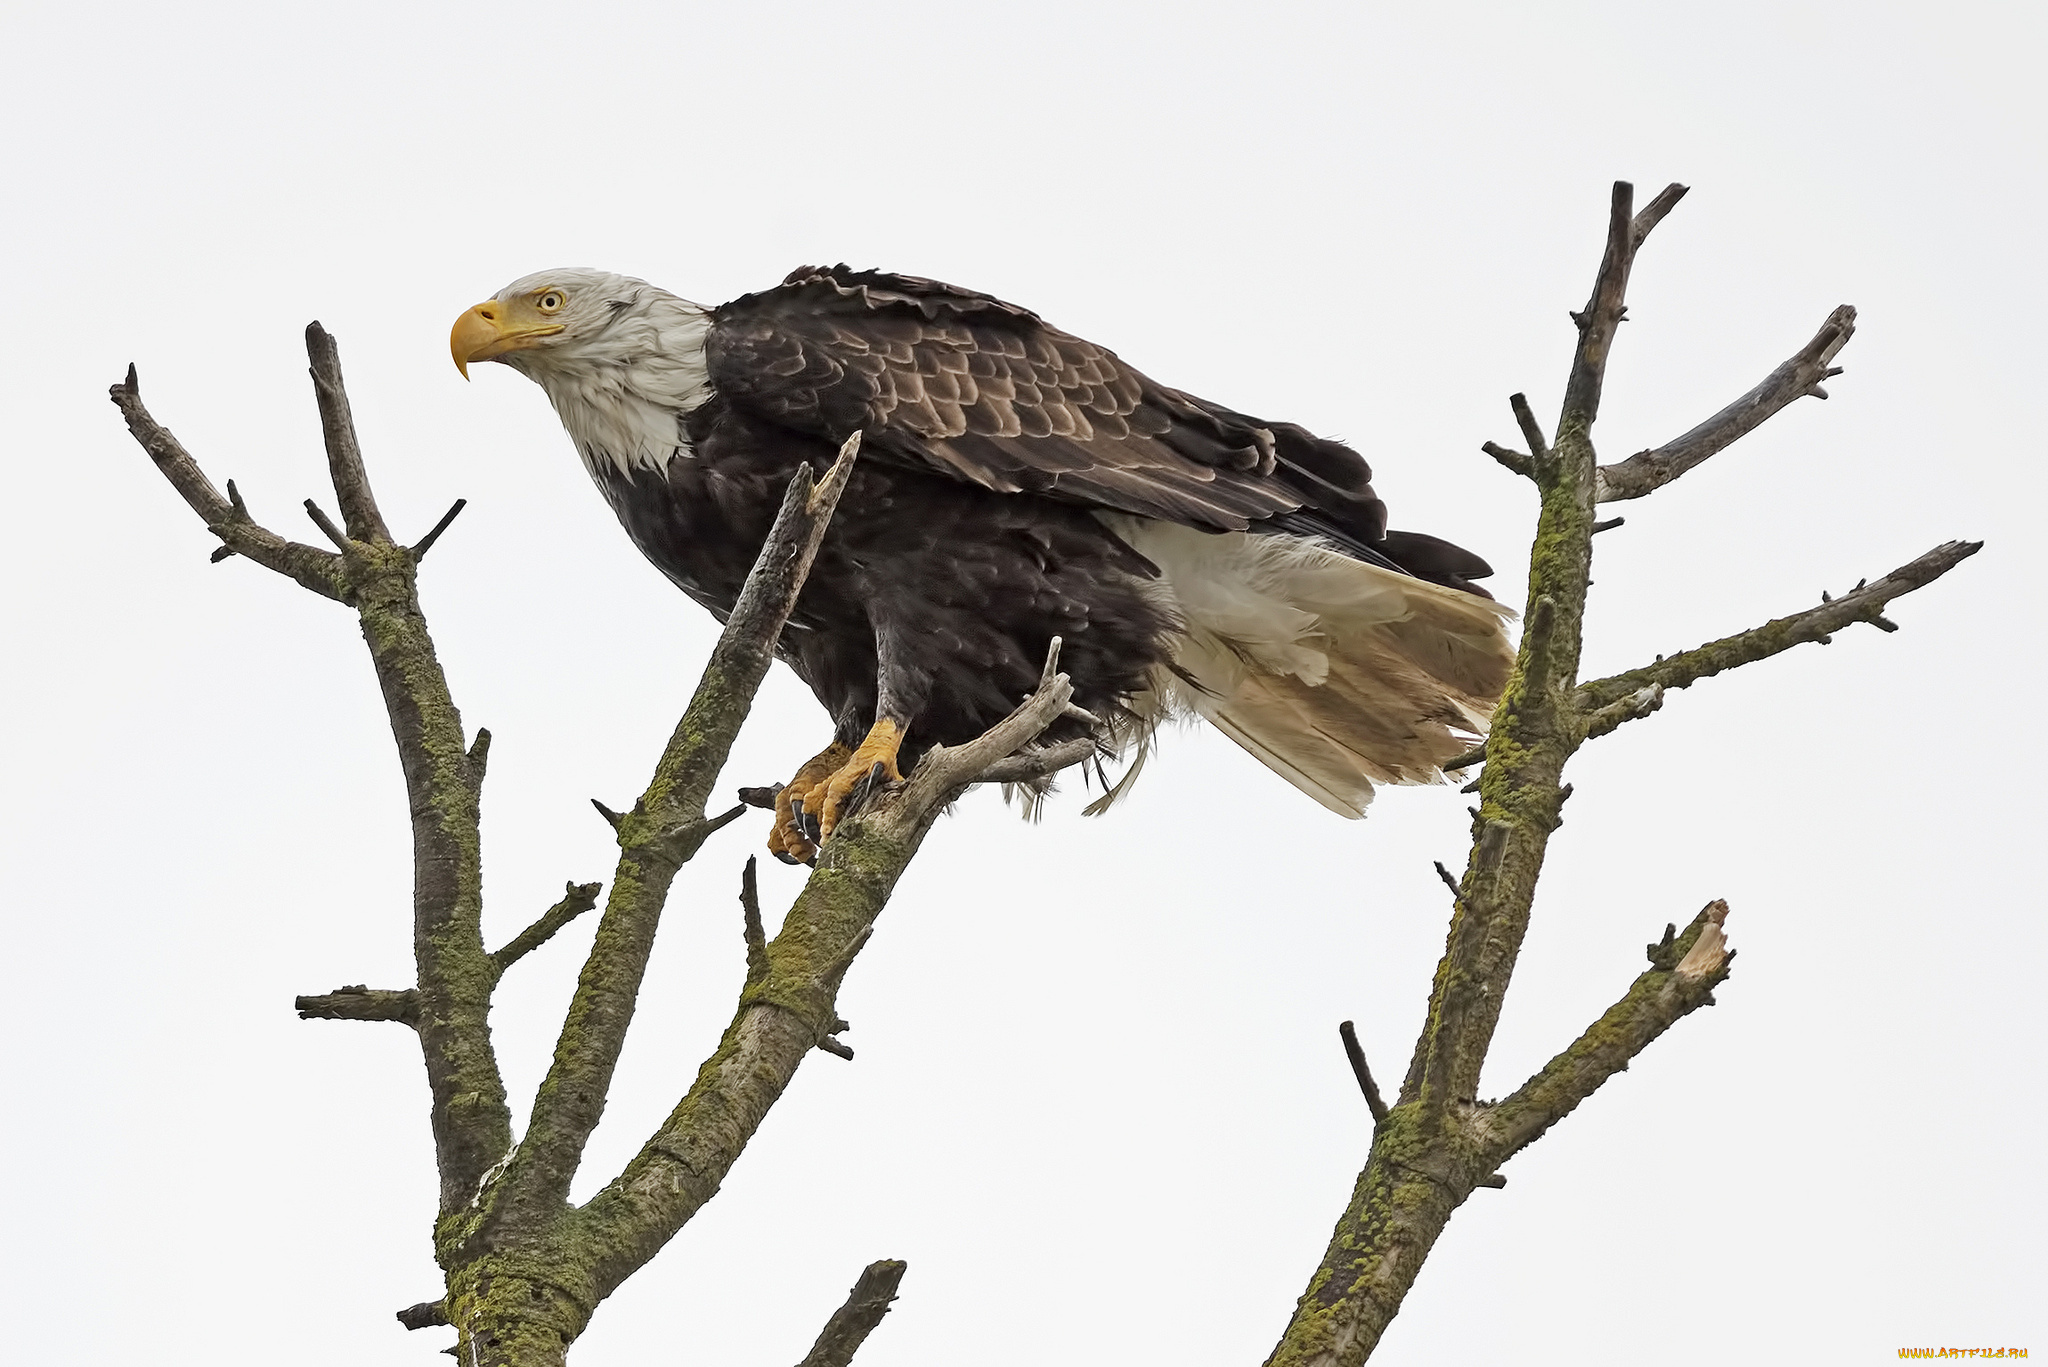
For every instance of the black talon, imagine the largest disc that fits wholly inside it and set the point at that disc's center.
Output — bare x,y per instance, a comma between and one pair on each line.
787,858
858,798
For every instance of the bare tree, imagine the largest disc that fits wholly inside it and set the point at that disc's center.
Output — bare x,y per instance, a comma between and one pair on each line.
525,1269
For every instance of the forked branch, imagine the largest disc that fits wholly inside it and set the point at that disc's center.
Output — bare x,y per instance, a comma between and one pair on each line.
1438,1142
443,774
789,1004
227,519
656,838
524,1269
1653,1004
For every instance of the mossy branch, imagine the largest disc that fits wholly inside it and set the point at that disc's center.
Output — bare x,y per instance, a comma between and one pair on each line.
1438,1143
361,1003
1533,732
789,1004
852,1322
1696,963
1815,625
472,1126
660,834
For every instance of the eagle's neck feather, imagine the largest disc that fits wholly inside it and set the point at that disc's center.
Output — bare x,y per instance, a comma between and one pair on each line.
622,393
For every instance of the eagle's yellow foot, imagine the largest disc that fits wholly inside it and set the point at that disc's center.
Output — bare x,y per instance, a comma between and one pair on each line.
833,798
787,841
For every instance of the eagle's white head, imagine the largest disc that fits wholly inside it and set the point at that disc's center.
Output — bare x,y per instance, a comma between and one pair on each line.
621,360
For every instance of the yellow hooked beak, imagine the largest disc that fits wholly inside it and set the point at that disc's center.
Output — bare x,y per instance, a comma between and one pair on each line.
492,328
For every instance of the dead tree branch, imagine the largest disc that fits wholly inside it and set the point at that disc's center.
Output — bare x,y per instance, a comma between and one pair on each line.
351,482
656,838
1438,1143
1516,462
1653,1004
577,898
525,1270
1034,762
472,1125
1653,213
1354,1053
789,1010
1864,603
310,566
361,1003
852,1322
1801,375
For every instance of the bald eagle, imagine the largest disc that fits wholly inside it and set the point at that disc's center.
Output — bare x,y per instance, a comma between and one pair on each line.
1016,483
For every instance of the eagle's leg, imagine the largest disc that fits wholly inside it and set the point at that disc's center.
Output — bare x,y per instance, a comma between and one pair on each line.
901,691
787,840
834,797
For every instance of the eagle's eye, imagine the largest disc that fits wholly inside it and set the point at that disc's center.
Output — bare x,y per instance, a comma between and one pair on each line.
551,301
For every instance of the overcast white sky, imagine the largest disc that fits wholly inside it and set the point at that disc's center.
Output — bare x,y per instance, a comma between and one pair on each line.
1099,1103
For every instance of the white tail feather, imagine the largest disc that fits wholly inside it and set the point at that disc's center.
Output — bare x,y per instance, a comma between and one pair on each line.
1333,673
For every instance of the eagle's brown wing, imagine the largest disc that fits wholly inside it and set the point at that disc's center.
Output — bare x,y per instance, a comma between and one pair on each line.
966,385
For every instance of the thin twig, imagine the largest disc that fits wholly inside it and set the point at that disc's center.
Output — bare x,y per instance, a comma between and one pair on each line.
946,770
751,928
1449,881
1603,314
1352,1051
1476,755
426,543
479,756
1814,625
1653,213
326,525
577,898
683,838
1532,431
338,430
1800,375
1030,765
1514,460
316,569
